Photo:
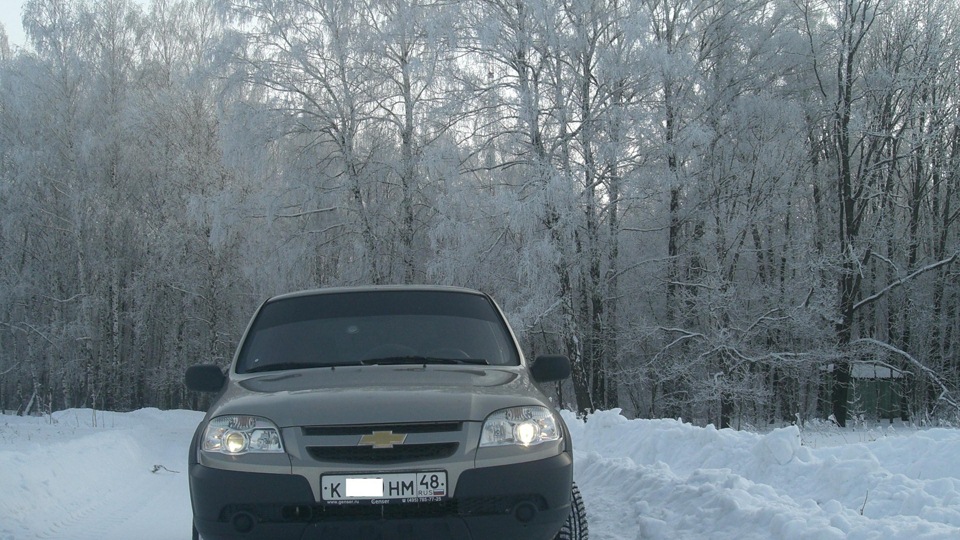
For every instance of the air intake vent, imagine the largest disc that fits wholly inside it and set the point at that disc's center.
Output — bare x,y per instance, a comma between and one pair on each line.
397,454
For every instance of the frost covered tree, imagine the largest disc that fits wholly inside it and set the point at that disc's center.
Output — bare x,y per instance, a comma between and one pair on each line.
877,79
97,199
715,208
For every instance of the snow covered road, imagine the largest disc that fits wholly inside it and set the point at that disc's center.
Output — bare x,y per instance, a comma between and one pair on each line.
81,476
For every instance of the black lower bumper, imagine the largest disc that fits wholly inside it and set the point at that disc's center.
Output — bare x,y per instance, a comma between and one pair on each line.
528,501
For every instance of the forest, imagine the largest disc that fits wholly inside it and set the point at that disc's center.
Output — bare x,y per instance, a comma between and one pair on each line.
727,211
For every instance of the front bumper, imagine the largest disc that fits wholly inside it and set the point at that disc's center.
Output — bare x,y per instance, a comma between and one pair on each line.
528,501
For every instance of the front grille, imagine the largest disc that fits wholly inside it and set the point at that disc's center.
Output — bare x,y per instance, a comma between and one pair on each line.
373,511
364,429
397,454
471,506
479,506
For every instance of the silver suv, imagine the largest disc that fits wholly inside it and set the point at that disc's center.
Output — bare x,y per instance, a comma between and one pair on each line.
382,412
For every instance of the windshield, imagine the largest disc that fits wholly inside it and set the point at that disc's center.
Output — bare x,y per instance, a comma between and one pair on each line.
376,327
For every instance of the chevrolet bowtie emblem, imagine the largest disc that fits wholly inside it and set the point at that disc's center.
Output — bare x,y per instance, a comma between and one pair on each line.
382,439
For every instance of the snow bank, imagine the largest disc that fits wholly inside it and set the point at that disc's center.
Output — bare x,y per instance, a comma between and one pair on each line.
82,475
666,479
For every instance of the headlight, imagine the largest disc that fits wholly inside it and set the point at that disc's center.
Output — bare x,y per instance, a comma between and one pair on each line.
524,426
235,435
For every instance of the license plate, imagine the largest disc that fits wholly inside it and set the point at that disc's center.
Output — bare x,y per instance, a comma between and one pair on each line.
384,488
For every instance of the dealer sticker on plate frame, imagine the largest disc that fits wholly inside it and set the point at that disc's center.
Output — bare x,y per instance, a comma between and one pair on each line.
421,486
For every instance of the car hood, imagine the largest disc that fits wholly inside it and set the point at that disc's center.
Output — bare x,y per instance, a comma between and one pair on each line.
378,394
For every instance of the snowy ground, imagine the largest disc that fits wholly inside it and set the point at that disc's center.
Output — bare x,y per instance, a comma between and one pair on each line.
82,475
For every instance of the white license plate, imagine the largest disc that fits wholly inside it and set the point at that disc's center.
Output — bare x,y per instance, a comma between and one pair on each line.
393,487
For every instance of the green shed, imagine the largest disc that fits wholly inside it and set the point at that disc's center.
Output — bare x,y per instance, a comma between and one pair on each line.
874,389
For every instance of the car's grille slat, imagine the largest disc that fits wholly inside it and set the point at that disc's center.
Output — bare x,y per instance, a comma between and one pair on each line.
470,506
498,505
388,511
364,429
397,454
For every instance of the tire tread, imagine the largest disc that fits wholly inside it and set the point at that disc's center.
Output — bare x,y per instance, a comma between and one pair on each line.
575,527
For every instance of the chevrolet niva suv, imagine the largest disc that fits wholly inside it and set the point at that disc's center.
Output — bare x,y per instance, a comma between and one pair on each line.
382,412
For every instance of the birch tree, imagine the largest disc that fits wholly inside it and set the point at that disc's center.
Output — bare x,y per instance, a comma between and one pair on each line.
714,208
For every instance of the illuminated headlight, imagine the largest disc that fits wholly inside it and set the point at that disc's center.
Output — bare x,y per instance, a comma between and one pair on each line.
235,435
524,426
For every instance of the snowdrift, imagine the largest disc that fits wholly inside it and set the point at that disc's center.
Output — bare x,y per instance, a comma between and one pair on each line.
81,474
666,479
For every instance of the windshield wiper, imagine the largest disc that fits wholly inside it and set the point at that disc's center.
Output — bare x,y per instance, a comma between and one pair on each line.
282,366
386,361
412,360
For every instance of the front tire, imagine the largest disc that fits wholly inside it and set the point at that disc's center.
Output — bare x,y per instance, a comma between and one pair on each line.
575,528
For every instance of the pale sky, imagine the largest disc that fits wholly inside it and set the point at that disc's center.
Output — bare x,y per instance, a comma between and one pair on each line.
10,12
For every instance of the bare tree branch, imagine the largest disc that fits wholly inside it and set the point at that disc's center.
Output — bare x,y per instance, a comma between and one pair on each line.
901,281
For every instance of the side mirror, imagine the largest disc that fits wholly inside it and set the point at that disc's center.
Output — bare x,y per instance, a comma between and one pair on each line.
206,378
550,368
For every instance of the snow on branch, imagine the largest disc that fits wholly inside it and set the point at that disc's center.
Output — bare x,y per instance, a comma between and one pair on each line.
900,281
684,335
307,212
